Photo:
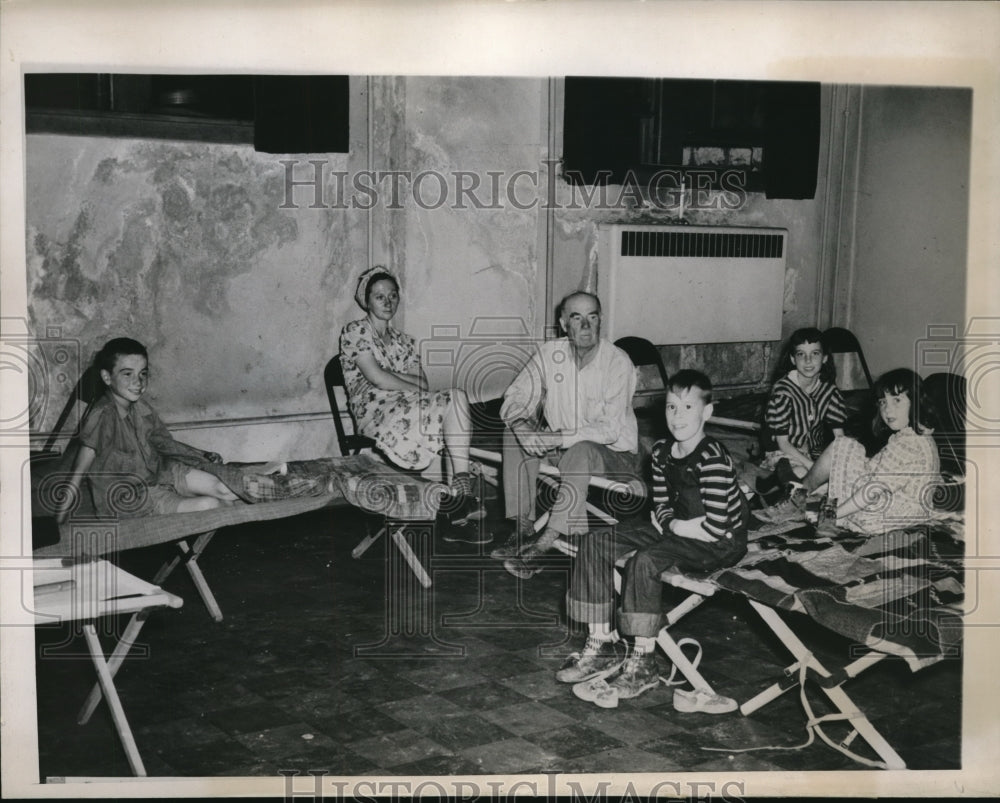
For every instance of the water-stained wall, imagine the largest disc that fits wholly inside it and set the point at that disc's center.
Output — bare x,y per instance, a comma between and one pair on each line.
186,247
240,295
467,253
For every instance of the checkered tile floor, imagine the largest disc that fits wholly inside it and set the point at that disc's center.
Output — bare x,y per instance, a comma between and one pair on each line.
326,662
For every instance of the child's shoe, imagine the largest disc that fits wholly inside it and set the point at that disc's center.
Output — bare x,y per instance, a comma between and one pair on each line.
637,676
598,660
791,509
687,702
597,691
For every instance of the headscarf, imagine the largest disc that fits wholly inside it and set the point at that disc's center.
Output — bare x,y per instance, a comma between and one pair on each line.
362,290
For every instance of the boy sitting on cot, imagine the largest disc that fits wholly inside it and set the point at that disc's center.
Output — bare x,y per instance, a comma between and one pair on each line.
700,519
128,452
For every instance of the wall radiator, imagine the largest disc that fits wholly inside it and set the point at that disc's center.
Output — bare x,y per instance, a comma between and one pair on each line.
691,284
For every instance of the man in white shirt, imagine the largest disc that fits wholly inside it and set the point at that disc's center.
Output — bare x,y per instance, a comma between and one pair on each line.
571,406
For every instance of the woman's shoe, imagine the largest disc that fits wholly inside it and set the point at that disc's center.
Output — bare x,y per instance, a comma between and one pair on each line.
520,536
469,508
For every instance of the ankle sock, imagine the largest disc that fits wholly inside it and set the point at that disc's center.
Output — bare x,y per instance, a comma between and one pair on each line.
596,639
644,645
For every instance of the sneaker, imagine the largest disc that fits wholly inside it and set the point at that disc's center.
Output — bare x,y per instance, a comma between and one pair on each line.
597,691
525,565
637,676
522,534
468,508
792,509
591,664
688,702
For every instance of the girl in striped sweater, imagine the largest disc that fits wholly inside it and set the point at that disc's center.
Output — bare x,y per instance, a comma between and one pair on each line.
802,403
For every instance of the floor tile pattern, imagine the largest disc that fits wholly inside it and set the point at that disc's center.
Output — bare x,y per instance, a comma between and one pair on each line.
327,662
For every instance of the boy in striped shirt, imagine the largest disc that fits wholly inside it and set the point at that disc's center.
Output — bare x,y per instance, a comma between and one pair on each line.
700,517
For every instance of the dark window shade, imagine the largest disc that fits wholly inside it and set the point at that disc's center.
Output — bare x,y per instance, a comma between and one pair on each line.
296,114
277,114
616,126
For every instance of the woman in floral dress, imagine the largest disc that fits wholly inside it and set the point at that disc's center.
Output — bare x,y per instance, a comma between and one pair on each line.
389,398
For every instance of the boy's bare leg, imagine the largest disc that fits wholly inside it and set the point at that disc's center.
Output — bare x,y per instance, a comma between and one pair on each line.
201,483
193,503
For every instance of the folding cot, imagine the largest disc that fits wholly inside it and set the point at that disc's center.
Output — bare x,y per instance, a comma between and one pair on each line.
359,480
85,591
896,594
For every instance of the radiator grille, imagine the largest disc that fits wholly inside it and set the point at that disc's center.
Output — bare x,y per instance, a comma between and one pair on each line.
750,245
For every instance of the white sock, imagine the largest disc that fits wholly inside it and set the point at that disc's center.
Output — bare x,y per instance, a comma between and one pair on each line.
598,634
644,644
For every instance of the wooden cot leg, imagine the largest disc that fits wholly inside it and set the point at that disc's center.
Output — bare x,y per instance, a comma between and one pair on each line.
166,570
114,663
791,680
673,650
168,567
191,555
837,695
106,681
410,557
365,543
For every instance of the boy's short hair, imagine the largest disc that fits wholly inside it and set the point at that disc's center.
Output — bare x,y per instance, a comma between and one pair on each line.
688,378
106,358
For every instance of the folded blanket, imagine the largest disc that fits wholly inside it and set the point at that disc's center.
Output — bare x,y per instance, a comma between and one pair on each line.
364,481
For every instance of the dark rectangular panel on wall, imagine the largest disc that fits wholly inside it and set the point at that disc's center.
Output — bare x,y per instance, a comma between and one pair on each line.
277,113
791,146
301,114
602,127
619,129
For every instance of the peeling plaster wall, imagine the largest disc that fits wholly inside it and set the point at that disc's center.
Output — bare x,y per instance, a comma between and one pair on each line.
240,301
185,247
468,258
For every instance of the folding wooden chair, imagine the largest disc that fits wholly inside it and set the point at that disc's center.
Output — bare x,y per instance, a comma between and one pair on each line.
643,352
333,380
355,443
848,358
550,475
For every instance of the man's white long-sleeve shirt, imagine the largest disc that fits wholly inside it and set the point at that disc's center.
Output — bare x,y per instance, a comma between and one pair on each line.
589,404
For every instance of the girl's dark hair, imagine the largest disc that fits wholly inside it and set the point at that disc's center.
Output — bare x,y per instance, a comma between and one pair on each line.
810,334
903,380
377,277
106,358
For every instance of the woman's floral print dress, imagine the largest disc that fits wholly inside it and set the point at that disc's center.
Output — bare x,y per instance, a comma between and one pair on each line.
406,424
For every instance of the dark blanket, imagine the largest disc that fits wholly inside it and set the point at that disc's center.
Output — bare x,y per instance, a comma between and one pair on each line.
900,592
